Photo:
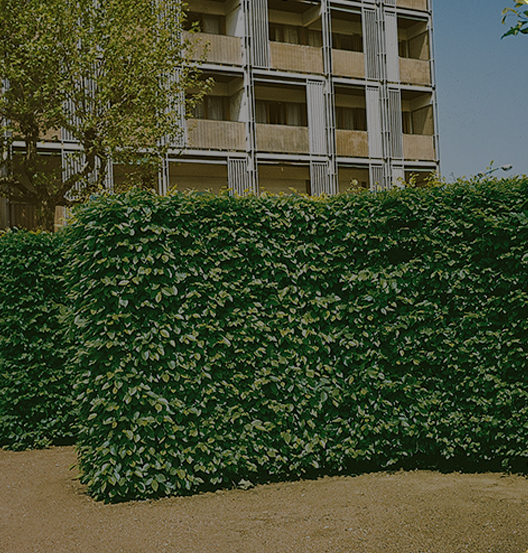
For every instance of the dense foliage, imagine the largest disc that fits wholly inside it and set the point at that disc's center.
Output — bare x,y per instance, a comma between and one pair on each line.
107,73
224,339
35,385
521,15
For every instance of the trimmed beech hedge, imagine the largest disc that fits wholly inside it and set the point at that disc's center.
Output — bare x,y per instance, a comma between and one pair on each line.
36,404
224,339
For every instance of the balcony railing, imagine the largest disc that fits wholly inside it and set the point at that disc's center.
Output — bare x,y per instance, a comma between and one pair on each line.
293,57
420,5
348,64
216,135
418,147
225,50
415,71
283,138
352,143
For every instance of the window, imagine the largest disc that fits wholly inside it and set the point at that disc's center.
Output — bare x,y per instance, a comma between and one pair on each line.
214,108
295,35
351,119
207,23
353,43
281,113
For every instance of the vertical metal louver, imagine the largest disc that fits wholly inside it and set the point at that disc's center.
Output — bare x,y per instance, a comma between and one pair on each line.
377,177
320,178
382,52
74,119
166,13
316,116
178,108
390,2
109,177
398,175
73,163
370,43
326,142
259,32
175,11
326,27
7,154
85,88
391,46
373,99
164,177
395,123
239,176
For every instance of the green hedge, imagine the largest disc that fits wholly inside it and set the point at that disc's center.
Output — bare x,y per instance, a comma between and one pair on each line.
224,339
36,404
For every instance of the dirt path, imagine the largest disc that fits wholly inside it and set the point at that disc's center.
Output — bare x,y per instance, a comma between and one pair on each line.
43,509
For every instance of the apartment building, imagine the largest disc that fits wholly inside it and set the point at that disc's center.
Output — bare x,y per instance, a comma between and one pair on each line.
314,96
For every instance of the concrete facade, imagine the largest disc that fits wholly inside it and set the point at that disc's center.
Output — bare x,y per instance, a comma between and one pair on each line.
314,96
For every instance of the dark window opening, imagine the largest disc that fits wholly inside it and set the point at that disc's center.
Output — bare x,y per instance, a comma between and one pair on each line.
281,113
207,23
351,119
295,35
353,43
214,108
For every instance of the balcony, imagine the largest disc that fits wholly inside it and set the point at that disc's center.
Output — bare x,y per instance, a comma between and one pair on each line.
282,138
294,57
352,143
348,64
418,147
414,71
420,5
216,135
222,49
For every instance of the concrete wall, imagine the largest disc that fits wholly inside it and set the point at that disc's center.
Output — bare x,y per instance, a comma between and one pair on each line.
282,178
198,176
420,5
282,138
418,147
348,64
415,71
294,57
352,143
220,49
216,135
350,178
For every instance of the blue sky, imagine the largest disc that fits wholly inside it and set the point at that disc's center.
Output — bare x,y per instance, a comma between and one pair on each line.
482,84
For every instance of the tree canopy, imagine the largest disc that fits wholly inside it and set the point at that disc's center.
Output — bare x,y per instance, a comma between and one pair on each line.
521,15
110,76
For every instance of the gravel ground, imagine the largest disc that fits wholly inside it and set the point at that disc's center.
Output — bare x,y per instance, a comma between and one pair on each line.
44,509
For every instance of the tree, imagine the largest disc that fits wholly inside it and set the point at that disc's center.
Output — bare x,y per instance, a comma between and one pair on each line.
113,74
522,18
